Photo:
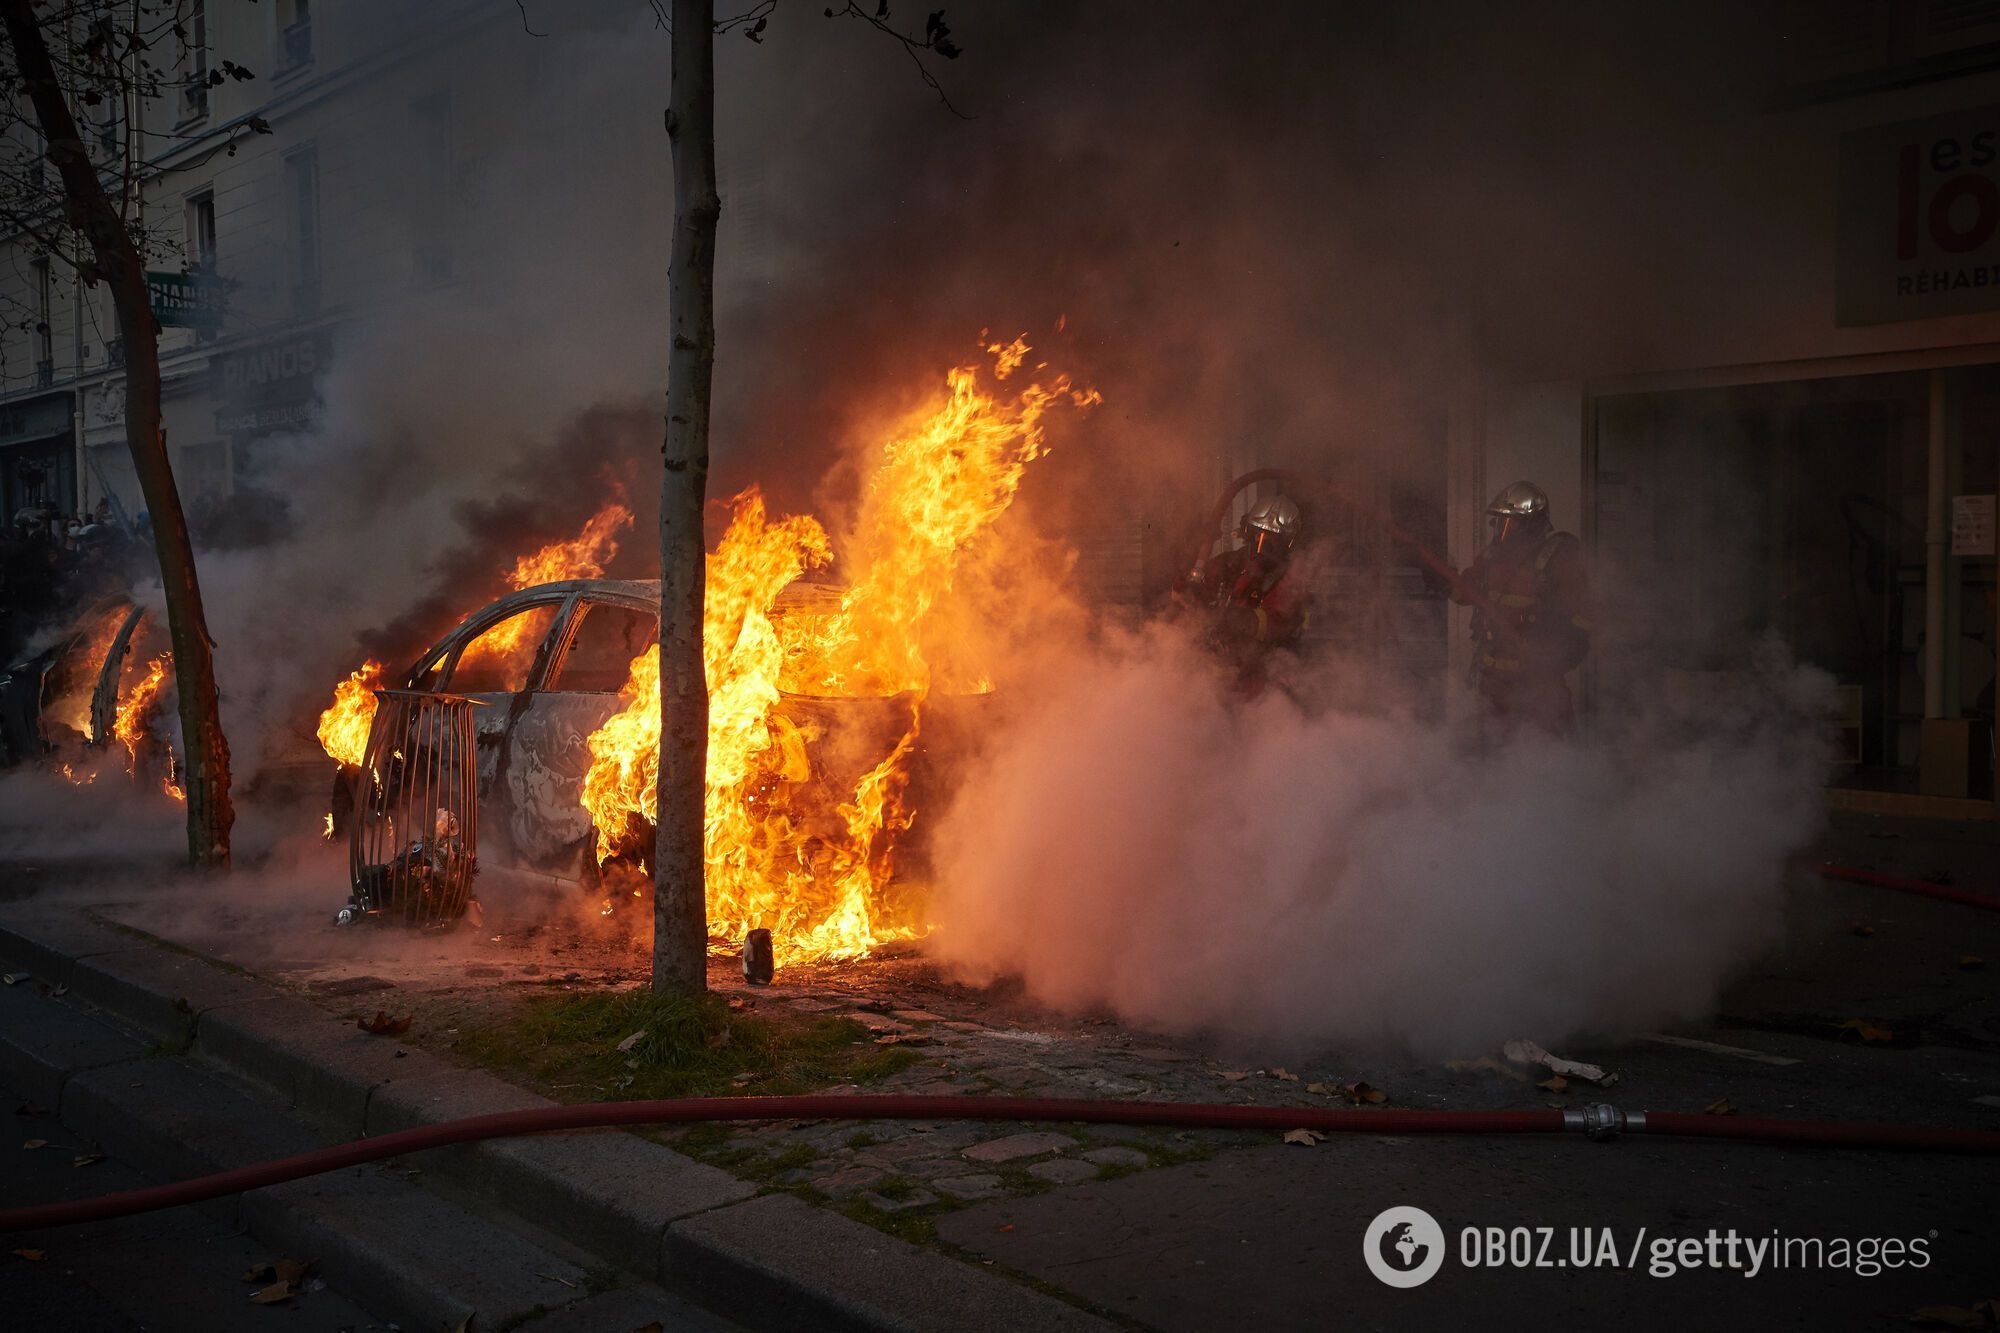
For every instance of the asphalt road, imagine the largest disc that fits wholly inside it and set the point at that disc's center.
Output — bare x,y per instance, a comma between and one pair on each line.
167,1272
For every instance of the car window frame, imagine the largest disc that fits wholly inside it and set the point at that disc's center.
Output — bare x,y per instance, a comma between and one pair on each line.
444,659
573,620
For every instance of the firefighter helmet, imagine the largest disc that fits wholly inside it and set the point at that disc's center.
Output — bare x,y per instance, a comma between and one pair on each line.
1523,499
1272,525
1522,508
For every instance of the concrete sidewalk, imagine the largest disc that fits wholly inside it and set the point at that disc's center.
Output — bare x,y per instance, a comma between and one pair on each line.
189,1068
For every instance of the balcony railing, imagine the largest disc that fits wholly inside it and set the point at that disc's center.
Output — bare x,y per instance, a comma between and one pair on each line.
45,374
194,99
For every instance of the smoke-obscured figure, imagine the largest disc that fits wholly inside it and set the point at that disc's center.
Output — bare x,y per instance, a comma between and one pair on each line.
1256,590
1531,625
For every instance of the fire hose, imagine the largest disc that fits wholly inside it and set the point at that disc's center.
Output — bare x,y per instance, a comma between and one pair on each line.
1595,1122
1922,887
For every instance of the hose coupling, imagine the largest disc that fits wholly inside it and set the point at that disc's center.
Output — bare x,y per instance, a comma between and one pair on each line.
1600,1122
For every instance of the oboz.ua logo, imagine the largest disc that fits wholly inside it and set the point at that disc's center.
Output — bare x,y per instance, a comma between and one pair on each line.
1404,1247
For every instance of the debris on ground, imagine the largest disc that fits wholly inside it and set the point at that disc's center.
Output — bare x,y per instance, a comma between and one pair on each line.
1528,1053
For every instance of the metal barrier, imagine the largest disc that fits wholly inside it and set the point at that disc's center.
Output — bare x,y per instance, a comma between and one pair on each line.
412,849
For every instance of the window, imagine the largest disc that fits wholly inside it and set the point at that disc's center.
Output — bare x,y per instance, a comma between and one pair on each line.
296,34
501,659
111,129
600,653
201,231
45,338
302,208
431,120
194,92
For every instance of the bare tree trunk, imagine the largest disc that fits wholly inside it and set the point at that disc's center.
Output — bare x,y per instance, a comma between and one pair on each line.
203,746
680,908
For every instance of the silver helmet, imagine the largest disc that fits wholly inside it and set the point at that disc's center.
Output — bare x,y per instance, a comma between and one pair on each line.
1523,499
1272,525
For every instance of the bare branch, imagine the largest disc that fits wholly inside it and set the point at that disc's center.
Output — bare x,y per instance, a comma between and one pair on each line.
936,39
527,27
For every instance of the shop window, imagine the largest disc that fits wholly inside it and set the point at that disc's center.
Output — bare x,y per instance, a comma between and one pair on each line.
502,658
600,653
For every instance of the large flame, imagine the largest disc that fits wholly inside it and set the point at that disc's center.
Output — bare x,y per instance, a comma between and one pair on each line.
813,877
70,705
507,645
343,727
133,720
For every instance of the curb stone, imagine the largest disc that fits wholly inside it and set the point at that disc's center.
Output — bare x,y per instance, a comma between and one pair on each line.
782,1261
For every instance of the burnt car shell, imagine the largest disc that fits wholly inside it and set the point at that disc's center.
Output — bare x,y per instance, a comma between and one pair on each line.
532,741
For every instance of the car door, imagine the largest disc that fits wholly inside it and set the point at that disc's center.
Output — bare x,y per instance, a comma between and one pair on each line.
551,752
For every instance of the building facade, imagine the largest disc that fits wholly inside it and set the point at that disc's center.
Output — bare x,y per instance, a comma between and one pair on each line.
266,243
1808,449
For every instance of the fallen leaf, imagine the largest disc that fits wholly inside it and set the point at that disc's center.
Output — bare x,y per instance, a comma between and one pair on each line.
1361,1092
32,1256
1986,1314
273,1294
86,1159
1971,962
463,1326
718,1039
744,1080
1487,1064
295,1271
1308,1137
1720,1106
384,1026
1861,928
1320,1088
1233,1075
1284,1074
741,1002
631,1041
35,1143
1863,1030
1006,1226
260,1273
1554,1083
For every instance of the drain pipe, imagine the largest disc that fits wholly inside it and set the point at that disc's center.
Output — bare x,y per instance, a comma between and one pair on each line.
1596,1122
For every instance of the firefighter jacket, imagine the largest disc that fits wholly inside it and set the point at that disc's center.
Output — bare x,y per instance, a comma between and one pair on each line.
1531,621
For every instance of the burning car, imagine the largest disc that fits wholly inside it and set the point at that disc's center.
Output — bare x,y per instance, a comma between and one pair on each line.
546,667
831,704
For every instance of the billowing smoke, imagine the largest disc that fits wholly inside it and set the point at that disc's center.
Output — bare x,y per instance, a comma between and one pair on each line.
1144,840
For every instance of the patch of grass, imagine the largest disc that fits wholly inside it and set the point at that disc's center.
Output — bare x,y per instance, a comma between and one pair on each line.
689,1047
915,1225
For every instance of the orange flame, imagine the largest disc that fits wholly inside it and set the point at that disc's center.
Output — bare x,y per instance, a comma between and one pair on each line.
583,556
135,709
814,877
78,678
343,727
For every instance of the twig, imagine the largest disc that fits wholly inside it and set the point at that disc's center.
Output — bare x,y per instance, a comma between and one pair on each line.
527,27
912,45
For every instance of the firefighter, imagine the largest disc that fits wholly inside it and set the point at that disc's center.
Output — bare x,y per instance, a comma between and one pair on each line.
1256,590
1531,619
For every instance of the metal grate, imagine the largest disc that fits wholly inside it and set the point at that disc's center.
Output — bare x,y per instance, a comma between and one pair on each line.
412,849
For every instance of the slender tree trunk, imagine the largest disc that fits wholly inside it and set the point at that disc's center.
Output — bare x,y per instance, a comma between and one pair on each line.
203,746
680,907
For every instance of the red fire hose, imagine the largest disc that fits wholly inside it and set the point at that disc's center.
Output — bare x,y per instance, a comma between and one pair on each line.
1923,887
1595,1122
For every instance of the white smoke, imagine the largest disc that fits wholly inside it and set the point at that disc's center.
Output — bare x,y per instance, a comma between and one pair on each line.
1140,839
